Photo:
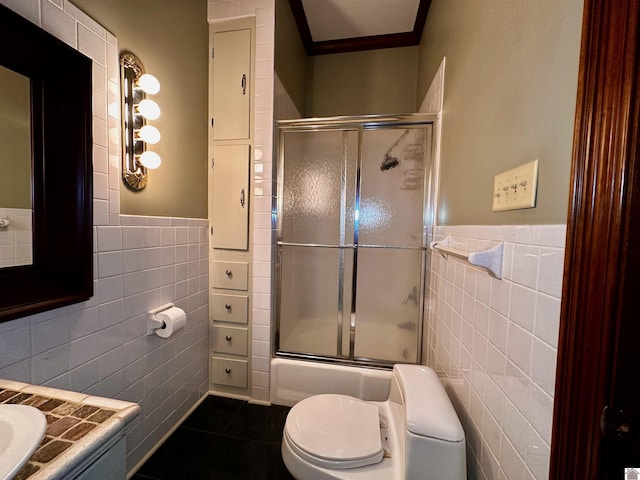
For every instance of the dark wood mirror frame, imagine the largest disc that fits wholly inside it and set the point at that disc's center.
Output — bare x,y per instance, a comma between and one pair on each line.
62,174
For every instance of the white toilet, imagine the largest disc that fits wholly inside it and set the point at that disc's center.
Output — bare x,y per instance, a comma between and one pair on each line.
415,434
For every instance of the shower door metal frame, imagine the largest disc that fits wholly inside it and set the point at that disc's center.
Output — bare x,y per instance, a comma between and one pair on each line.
358,124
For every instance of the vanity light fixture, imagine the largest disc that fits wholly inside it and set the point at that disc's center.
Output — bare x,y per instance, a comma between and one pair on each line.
149,84
148,109
149,134
150,159
136,111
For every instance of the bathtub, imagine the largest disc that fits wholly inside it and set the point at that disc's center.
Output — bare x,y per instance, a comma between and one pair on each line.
293,380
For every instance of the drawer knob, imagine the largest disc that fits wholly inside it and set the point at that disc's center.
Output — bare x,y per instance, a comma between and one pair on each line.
228,273
227,370
227,306
228,338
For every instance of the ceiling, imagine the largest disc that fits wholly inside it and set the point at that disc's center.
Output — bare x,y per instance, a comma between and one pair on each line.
338,26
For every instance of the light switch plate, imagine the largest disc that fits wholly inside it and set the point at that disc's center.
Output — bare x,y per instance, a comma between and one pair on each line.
516,188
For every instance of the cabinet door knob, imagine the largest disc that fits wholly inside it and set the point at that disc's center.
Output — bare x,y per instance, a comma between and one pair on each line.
227,371
228,338
227,306
228,273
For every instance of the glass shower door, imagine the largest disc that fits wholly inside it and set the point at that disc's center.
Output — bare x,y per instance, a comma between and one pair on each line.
351,237
390,261
316,239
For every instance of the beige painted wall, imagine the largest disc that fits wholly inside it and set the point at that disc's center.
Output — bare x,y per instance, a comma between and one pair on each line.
375,81
171,40
15,140
509,98
290,59
370,82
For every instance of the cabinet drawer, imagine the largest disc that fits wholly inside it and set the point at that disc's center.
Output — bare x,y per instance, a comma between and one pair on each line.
229,308
231,275
229,372
229,340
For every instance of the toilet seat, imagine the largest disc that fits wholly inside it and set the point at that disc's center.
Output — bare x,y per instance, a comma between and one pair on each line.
335,431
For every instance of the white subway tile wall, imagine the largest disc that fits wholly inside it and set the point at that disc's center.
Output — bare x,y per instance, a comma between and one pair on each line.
495,342
100,346
284,108
434,98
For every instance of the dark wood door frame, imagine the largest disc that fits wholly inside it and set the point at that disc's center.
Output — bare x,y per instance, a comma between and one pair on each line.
600,310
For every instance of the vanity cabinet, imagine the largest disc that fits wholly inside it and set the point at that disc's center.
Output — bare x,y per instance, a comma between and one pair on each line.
85,437
232,75
109,463
230,204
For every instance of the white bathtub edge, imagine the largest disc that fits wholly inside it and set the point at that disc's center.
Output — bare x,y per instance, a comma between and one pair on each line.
294,380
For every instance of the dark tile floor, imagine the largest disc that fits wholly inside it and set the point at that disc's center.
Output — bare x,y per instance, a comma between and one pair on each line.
222,439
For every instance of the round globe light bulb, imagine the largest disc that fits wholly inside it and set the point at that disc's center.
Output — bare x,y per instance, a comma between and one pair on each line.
149,109
149,84
150,134
150,159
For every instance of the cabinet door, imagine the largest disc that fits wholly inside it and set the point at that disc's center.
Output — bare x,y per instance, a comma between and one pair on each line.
230,217
231,87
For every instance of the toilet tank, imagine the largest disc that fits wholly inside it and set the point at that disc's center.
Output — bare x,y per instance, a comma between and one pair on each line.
433,436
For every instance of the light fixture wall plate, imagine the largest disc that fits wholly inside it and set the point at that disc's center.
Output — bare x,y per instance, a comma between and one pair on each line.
134,173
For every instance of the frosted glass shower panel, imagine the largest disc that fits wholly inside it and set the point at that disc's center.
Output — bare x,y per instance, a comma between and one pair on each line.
392,191
309,299
354,199
388,304
318,187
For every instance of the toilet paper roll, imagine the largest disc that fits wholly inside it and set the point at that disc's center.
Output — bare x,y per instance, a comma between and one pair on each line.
174,318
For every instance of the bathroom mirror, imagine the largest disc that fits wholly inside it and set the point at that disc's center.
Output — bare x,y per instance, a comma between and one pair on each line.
15,169
60,170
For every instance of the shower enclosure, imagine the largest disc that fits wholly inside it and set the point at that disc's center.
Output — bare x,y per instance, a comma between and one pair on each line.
354,209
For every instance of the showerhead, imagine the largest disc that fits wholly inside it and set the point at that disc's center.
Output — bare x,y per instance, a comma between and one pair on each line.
389,162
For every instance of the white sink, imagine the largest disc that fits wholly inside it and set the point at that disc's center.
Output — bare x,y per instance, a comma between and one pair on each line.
21,431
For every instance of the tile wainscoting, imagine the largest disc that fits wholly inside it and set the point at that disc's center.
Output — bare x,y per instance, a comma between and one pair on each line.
495,343
100,346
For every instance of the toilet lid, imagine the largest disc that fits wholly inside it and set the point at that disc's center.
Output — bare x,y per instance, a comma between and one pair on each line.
335,431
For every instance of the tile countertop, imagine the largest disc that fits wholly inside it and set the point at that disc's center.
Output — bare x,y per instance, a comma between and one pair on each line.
77,425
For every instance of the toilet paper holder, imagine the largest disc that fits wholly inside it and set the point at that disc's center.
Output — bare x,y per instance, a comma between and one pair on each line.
154,323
